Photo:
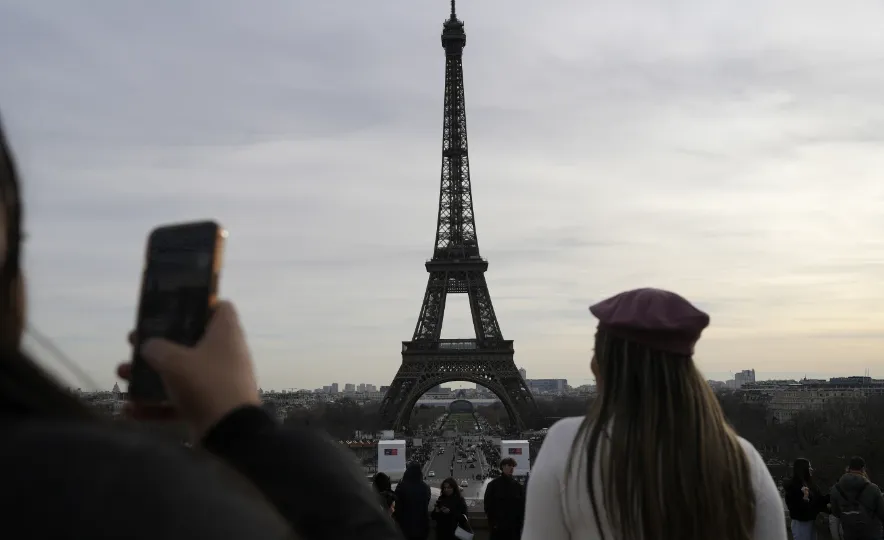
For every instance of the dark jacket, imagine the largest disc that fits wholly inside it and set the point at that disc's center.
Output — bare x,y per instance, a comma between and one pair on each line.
505,504
98,480
413,504
382,486
800,509
447,522
870,498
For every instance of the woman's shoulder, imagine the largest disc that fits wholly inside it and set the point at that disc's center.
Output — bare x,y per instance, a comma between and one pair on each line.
71,442
749,448
565,430
792,486
762,481
121,447
756,461
559,440
87,474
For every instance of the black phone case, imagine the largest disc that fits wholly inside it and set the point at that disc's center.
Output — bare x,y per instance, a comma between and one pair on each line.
177,295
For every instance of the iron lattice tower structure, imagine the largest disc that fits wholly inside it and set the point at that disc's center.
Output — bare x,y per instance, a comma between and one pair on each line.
456,268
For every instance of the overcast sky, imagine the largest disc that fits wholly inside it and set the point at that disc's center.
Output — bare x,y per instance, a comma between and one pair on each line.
730,151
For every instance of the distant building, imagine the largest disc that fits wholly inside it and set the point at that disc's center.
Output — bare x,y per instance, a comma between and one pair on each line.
744,377
855,380
333,389
523,373
547,386
786,398
717,385
349,388
438,391
582,390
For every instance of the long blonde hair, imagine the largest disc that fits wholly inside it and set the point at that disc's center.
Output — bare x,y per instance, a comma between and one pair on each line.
671,466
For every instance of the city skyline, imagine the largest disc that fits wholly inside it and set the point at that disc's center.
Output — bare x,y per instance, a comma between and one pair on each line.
462,385
725,152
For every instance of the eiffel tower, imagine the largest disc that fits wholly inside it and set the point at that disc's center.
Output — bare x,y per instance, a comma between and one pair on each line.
456,268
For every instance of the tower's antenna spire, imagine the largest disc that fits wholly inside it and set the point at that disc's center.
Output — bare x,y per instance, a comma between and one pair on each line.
453,15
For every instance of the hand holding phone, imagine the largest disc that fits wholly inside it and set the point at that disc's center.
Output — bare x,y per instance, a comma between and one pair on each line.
178,293
205,382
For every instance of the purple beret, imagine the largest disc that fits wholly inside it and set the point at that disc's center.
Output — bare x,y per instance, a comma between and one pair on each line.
659,319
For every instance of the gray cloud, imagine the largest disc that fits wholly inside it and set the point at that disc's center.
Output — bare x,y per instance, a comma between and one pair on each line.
727,152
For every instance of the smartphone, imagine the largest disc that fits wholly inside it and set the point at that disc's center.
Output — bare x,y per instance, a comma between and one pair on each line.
179,289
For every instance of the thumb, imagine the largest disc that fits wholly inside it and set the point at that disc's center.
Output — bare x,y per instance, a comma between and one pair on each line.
164,355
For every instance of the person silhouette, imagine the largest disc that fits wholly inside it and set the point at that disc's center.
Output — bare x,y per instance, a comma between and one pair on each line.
69,473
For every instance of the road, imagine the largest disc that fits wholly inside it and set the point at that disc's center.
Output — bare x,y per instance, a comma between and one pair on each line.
441,466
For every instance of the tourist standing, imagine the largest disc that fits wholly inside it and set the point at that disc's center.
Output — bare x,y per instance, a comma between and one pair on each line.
384,488
412,504
505,503
450,510
858,503
654,456
804,500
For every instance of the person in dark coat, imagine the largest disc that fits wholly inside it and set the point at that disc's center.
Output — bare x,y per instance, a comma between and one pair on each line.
450,510
413,504
505,503
69,473
804,500
857,503
389,502
384,489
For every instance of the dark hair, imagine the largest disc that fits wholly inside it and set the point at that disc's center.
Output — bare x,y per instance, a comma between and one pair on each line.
453,483
856,463
413,473
669,460
507,461
25,388
381,482
801,470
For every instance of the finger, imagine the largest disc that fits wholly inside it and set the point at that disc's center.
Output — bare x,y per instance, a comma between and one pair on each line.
132,338
124,371
163,355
